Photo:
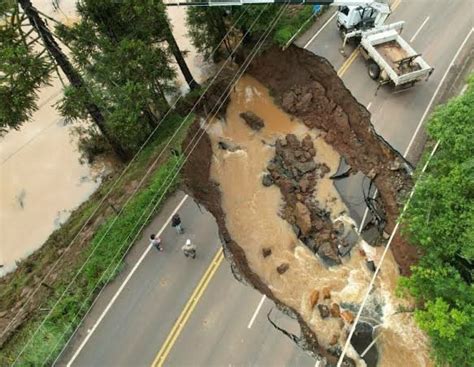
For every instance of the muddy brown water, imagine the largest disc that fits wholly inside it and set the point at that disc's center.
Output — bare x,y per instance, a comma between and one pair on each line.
41,179
253,222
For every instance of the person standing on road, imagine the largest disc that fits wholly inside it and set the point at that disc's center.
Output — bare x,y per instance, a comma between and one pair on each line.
176,223
189,249
156,242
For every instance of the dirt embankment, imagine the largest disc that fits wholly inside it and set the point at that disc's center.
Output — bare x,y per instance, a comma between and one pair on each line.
307,87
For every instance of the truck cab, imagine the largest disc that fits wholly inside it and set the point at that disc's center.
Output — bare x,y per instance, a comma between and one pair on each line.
350,18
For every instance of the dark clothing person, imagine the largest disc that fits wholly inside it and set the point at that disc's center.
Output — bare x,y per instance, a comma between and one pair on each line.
176,223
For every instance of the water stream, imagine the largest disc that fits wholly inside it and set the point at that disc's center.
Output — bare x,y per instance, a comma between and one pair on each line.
250,205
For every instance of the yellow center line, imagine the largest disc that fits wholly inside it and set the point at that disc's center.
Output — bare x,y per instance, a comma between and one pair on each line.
216,262
188,309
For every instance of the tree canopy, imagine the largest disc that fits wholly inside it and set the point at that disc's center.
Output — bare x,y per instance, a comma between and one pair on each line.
440,219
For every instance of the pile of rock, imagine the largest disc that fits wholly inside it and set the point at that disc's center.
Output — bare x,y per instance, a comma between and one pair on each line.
295,172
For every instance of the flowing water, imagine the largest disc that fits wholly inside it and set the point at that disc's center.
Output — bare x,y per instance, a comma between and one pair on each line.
248,204
41,179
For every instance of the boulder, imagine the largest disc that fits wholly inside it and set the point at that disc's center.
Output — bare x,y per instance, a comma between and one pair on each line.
335,310
303,218
293,141
305,167
326,293
370,265
328,254
304,184
307,143
313,298
252,120
267,180
347,316
283,268
334,339
323,311
266,251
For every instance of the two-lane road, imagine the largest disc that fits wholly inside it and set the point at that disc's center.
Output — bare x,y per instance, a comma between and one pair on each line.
227,325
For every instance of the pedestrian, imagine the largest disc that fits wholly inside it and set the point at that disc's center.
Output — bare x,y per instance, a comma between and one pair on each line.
176,223
189,249
156,242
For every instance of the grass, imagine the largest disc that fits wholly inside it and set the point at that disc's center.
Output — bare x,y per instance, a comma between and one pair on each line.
105,250
291,21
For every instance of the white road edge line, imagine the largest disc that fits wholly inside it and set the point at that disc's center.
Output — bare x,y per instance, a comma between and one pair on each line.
419,29
319,31
256,311
351,333
114,298
436,93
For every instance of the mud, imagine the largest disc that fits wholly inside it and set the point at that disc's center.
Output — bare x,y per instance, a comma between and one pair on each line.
307,87
266,226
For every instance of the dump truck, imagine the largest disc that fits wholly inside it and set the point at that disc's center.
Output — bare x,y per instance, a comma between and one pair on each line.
390,59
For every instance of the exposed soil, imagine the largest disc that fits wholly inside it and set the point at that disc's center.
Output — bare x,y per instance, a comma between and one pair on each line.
307,86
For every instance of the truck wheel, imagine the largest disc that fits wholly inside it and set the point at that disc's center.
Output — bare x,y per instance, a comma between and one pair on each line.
374,70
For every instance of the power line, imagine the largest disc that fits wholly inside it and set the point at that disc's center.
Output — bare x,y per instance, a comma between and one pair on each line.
122,174
49,313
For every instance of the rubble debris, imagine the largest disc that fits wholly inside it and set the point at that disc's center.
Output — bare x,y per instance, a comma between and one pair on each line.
283,268
335,310
266,251
347,316
326,293
323,311
252,120
313,299
267,180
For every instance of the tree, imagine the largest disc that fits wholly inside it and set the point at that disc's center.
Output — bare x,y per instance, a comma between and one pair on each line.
440,220
120,47
31,69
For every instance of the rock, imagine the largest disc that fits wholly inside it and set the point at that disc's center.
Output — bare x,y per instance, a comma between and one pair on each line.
335,310
305,167
3,313
288,101
283,268
370,265
362,253
395,165
267,180
347,316
326,293
293,141
307,143
323,311
283,142
303,218
313,299
266,251
228,146
299,153
334,339
328,254
307,156
324,169
372,173
312,151
304,184
252,120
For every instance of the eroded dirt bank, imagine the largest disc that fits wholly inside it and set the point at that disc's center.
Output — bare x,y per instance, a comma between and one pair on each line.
265,176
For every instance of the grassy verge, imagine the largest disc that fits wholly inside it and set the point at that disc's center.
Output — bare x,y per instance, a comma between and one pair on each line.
40,339
292,20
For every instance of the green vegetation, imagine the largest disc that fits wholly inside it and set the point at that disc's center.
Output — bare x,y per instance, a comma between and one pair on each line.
208,26
440,219
106,248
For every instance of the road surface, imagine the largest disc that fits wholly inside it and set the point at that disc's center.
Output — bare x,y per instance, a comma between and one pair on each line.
224,323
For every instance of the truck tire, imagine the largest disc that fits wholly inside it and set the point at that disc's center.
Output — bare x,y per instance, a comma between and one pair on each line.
374,70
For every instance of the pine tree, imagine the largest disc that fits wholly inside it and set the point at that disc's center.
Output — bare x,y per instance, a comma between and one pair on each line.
24,70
